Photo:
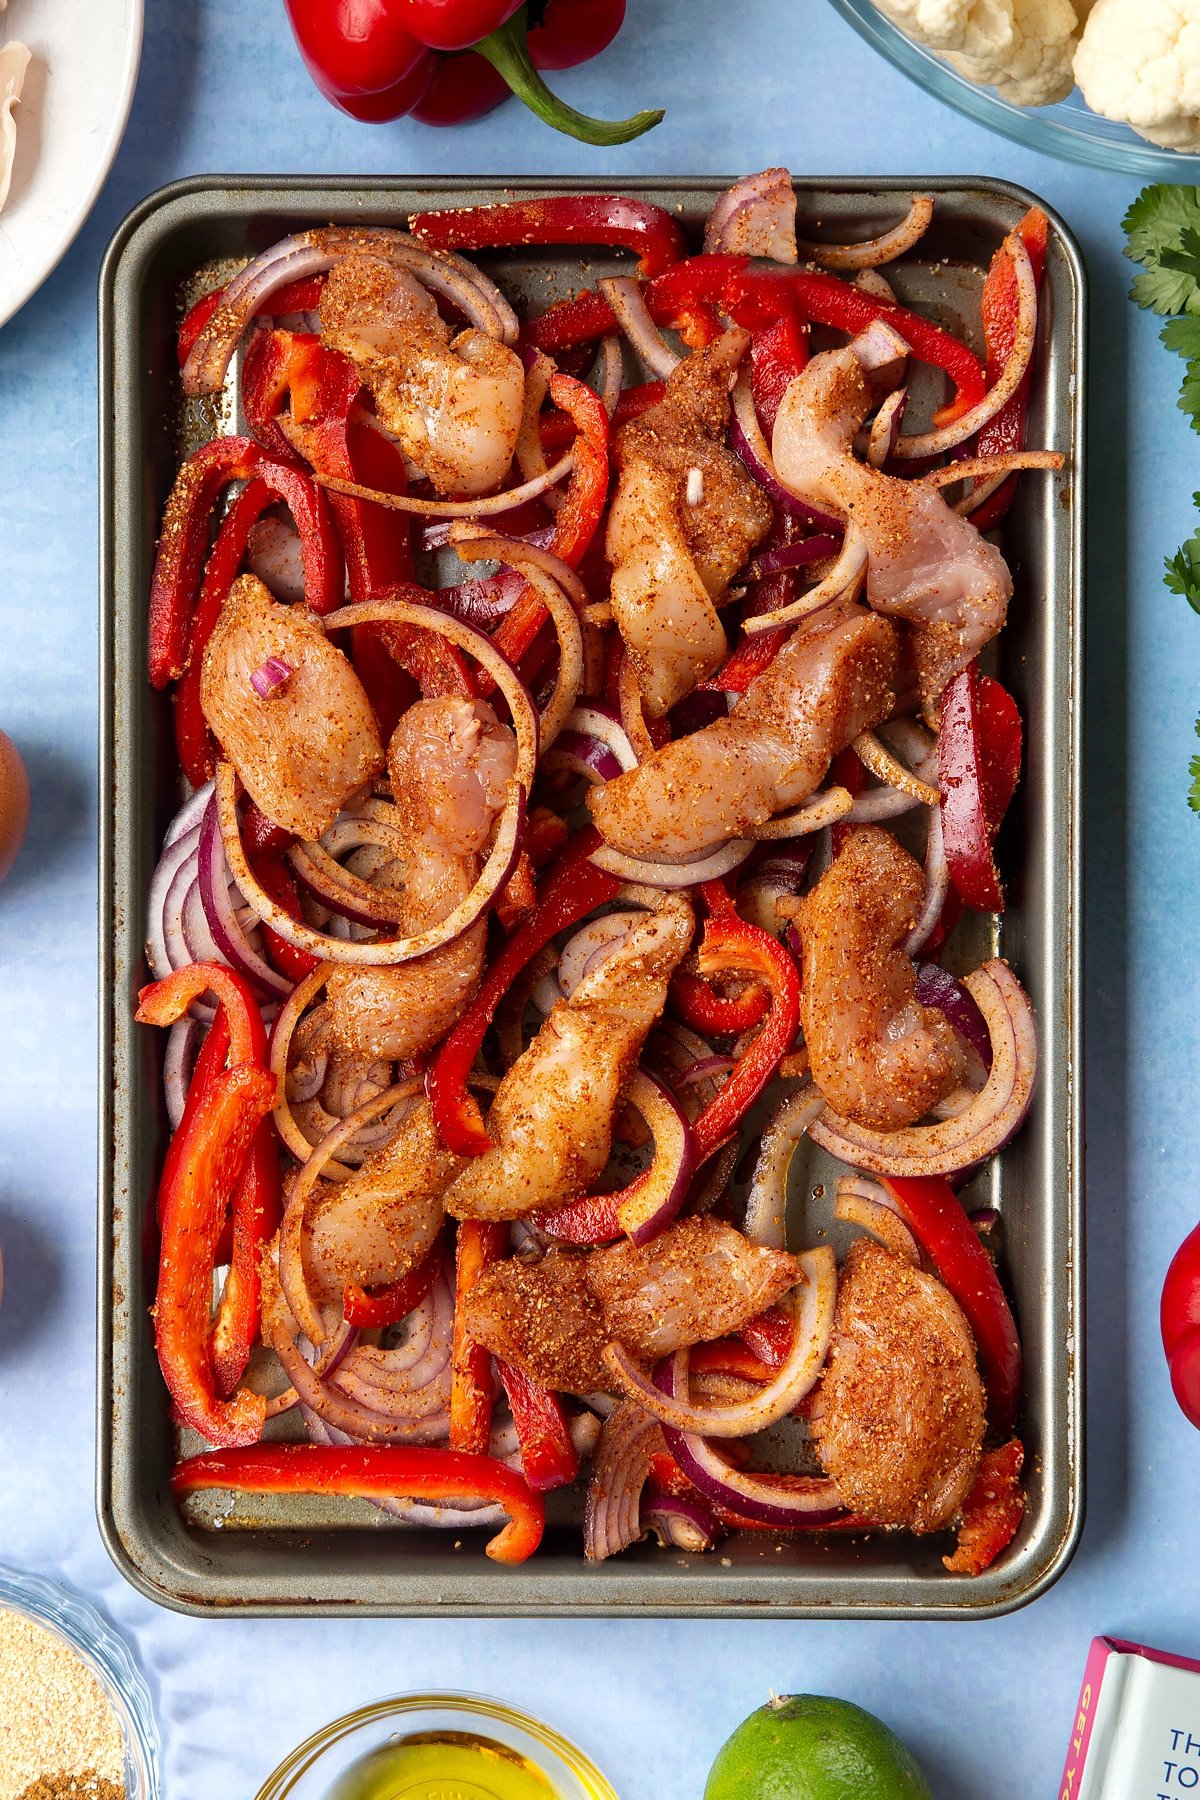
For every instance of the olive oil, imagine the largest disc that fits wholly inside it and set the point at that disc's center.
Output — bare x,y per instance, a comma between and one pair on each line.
443,1765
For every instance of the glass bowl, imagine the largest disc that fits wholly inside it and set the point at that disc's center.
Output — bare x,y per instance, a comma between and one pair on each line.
1068,129
310,1771
73,1619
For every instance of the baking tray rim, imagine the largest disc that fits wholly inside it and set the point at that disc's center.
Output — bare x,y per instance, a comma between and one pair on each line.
1050,1554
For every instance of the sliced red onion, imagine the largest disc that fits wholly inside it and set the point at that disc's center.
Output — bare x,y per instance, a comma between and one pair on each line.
680,1524
882,249
789,1503
755,217
651,1201
315,252
707,1069
885,430
873,283
844,576
591,944
612,1511
745,435
709,867
886,767
484,506
987,473
937,885
878,803
824,809
562,594
183,1044
275,555
190,813
994,1116
939,988
882,356
613,372
597,722
172,881
271,676
667,1397
232,942
322,876
866,1204
765,1220
625,295
933,443
583,756
795,556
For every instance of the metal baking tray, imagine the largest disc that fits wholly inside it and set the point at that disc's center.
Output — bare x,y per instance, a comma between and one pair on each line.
336,1556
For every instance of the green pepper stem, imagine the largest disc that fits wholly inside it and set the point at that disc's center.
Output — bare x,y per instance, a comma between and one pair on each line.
508,52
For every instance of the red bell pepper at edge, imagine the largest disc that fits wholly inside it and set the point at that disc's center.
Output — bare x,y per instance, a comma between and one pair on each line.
387,1306
570,32
202,1171
561,219
1179,1320
999,306
979,760
473,1386
942,1228
992,1511
295,297
375,1471
570,889
548,1457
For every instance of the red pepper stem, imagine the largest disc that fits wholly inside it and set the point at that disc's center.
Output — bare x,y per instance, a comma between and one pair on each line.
508,52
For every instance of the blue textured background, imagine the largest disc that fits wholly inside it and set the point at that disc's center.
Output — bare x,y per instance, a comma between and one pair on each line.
985,1706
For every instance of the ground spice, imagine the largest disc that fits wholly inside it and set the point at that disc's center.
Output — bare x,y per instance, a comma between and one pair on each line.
59,1736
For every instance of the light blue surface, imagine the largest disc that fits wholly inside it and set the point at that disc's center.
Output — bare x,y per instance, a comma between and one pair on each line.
985,1706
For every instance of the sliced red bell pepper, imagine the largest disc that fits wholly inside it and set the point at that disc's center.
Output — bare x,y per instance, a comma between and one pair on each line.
255,1211
769,1336
778,353
944,1232
729,1356
993,1511
294,372
563,219
296,297
571,888
388,1305
275,878
375,1471
473,1387
182,546
162,1002
699,1005
581,511
211,1062
569,323
999,305
548,1457
732,943
974,794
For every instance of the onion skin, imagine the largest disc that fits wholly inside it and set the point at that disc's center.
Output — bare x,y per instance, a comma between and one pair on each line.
14,803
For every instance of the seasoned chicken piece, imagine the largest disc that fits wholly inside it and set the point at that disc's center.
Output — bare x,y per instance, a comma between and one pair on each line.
832,679
551,1120
542,1317
899,1418
451,764
878,1056
684,518
699,1279
925,563
454,405
377,1225
311,743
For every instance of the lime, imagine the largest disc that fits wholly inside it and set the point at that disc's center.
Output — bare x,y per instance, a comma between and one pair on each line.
810,1747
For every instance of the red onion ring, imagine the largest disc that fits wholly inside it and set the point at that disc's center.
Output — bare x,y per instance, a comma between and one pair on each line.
885,430
485,506
755,217
190,813
795,556
235,947
858,1201
937,885
593,942
681,1524
765,1220
843,578
627,298
937,987
709,867
183,1044
561,592
871,252
620,1469
745,435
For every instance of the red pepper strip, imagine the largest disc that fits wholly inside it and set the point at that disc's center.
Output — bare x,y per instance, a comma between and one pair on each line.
388,1305
732,943
262,836
162,1002
974,800
322,557
1179,1322
548,1457
711,1013
846,771
933,1211
183,543
778,353
255,1211
211,1061
297,297
565,219
473,1386
993,1511
292,371
570,890
210,1158
276,879
756,653
568,323
728,1356
999,304
376,1471
580,513
769,1336
545,835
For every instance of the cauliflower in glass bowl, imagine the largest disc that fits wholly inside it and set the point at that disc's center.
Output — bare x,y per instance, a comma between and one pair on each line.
1114,83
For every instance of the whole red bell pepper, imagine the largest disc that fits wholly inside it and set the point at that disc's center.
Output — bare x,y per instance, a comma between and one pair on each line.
548,1457
375,59
1179,1320
999,307
473,1386
992,1512
943,1230
376,1471
979,760
571,888
388,1305
610,219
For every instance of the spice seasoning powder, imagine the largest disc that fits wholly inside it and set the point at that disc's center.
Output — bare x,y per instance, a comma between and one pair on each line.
59,1736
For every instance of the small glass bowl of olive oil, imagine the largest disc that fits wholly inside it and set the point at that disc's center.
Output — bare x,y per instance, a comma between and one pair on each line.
437,1747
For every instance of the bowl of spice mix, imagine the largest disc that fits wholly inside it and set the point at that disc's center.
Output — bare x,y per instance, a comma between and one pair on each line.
76,1722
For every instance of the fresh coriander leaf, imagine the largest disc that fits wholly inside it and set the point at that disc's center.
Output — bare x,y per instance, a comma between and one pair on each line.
1194,772
1189,395
1183,336
1182,572
1165,291
1163,231
1185,260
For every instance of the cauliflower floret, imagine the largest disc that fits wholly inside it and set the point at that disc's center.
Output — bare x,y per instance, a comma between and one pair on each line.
982,27
1139,61
1035,69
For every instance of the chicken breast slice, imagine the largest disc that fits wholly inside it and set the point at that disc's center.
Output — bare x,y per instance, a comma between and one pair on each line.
307,748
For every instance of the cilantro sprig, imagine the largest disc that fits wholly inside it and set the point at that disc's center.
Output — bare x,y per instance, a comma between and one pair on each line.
1194,772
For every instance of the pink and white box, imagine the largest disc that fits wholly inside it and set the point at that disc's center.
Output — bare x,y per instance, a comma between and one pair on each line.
1136,1733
